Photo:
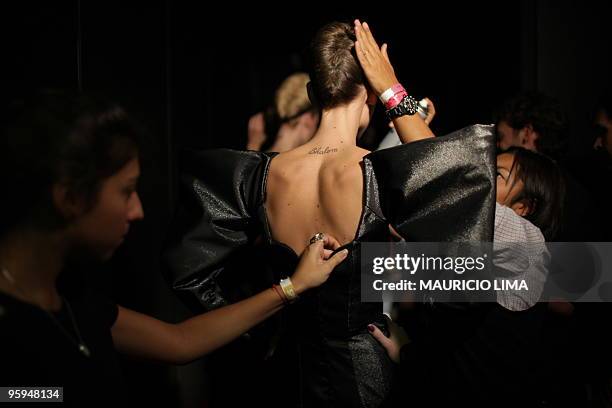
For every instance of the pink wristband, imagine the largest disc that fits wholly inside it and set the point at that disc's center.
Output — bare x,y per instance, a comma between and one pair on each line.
388,94
395,100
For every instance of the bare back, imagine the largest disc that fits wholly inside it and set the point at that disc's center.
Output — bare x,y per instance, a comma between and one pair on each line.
315,192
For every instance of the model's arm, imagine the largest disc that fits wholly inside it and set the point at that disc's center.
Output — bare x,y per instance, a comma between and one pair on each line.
381,76
144,336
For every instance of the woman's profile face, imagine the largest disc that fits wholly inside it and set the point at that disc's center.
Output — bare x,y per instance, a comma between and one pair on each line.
509,186
101,229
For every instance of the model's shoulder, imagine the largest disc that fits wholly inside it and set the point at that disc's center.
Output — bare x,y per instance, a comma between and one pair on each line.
361,153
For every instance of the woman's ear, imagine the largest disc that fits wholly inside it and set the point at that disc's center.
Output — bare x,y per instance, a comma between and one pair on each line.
529,137
521,208
67,204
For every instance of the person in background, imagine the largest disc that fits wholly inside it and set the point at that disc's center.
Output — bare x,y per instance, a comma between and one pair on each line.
291,123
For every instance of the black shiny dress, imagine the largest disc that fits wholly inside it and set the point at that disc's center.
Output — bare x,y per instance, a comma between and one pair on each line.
439,189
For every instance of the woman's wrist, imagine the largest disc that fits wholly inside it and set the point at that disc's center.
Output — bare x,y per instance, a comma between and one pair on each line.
288,289
392,96
385,84
390,92
279,292
299,287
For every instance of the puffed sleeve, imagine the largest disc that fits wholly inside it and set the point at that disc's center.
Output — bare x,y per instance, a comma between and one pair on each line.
439,189
220,192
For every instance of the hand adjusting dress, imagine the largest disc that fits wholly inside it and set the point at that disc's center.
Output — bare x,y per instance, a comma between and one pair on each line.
439,189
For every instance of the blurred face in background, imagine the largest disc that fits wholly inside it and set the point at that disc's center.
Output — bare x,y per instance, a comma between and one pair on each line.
603,125
508,137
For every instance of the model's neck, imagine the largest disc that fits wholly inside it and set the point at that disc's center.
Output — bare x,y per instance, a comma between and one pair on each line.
339,127
33,261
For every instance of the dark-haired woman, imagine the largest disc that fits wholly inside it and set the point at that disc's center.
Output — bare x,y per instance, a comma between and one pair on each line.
69,168
439,189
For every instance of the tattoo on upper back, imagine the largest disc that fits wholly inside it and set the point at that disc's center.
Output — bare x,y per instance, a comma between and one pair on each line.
320,150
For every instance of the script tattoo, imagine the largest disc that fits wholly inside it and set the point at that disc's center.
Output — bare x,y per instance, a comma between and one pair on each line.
320,150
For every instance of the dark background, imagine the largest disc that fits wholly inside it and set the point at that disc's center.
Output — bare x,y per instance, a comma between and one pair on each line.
193,77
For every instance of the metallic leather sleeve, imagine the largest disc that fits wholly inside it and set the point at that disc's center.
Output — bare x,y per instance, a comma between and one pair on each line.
440,189
218,198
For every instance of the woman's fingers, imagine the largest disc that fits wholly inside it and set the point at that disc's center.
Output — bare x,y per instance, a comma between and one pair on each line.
362,44
327,253
390,344
336,259
330,242
316,247
383,50
369,37
361,55
360,35
378,335
367,43
431,111
324,248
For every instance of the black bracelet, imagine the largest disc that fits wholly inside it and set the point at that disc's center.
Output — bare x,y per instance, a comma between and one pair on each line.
407,106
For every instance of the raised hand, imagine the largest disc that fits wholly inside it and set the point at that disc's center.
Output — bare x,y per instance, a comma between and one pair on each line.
374,60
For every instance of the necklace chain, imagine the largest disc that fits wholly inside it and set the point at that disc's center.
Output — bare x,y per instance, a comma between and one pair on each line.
80,343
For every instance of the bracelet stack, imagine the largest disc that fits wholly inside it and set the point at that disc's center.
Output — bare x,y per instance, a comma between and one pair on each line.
393,96
398,102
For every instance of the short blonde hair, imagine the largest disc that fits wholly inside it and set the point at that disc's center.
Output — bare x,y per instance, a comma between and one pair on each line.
291,97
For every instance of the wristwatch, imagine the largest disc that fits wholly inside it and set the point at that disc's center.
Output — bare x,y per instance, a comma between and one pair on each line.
407,106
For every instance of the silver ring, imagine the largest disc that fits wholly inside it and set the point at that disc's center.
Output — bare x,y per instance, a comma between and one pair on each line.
319,236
